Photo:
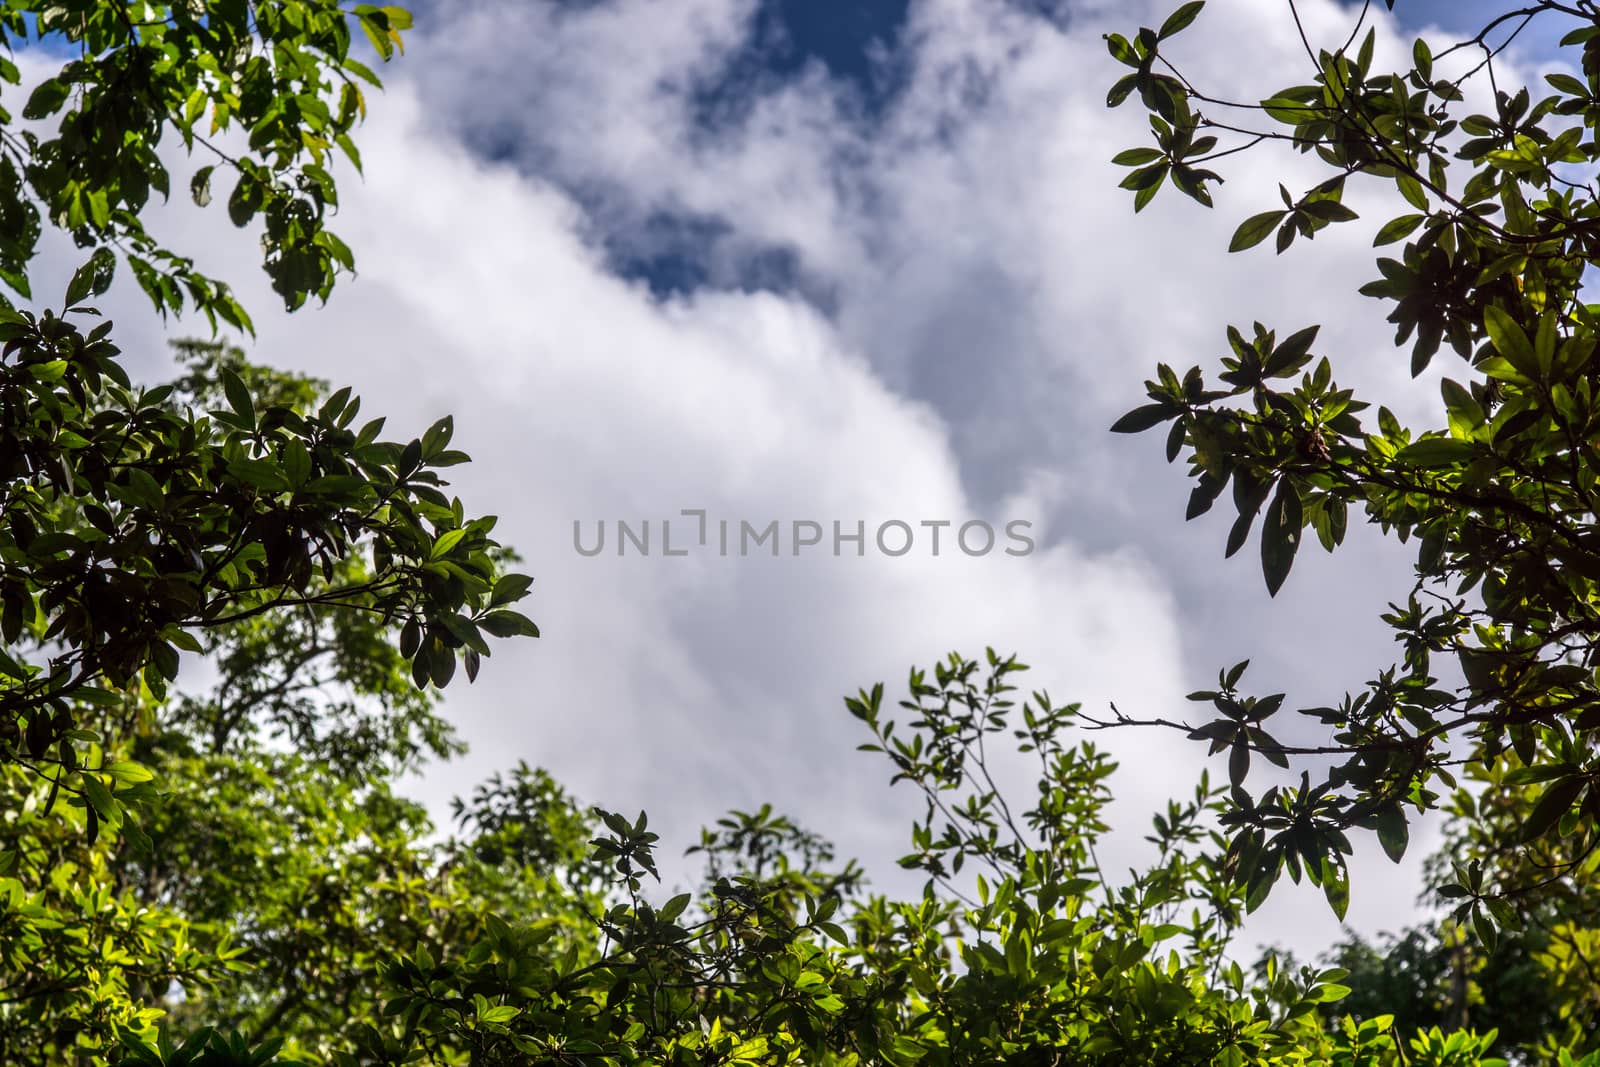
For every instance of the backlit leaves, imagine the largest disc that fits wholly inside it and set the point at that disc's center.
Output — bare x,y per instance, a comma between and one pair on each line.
1487,259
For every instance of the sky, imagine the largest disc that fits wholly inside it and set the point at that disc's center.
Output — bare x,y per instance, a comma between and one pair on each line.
824,262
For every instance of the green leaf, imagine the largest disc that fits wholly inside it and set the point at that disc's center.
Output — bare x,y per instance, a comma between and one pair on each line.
1180,19
1437,452
1137,157
1146,177
1483,926
378,34
1142,198
509,588
1545,339
165,659
1293,353
1239,761
1142,418
245,200
200,186
1510,340
1280,535
466,632
1336,888
1253,230
1412,190
1397,229
1566,83
1288,110
238,395
1557,799
11,668
1465,412
1122,51
46,99
1328,211
82,284
1393,832
259,473
441,665
1122,90
1201,499
99,796
673,908
410,638
447,541
18,281
1239,533
128,773
1422,58
505,623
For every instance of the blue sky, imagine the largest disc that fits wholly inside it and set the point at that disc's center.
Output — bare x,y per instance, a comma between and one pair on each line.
829,262
1467,17
861,49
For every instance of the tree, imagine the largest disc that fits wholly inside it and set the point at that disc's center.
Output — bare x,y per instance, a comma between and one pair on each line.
1020,950
1431,976
236,512
1435,974
1549,887
265,91
274,873
1501,221
138,520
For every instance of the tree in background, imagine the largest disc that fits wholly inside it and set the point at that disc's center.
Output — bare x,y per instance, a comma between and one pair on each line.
1537,981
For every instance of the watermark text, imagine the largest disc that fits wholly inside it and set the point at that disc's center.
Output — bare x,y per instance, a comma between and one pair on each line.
694,532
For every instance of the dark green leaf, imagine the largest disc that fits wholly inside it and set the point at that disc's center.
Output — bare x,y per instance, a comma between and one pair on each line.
1280,535
1398,229
1437,452
1142,418
1557,799
1253,230
238,395
1180,19
46,99
1393,833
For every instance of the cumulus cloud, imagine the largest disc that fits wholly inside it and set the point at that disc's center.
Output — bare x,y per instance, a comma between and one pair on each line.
966,243
684,685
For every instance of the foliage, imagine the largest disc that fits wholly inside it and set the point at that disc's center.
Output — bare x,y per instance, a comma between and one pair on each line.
274,873
264,90
138,520
1020,950
1546,888
236,512
1435,976
1535,982
1498,497
134,523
